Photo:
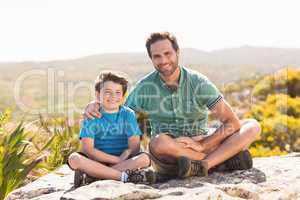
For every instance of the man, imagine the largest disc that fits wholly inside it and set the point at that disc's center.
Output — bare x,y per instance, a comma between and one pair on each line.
177,101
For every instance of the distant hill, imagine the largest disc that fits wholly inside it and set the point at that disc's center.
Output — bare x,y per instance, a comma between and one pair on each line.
221,65
75,87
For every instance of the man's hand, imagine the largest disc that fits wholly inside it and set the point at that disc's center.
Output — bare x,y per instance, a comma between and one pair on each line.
185,140
91,111
190,143
198,138
125,155
196,147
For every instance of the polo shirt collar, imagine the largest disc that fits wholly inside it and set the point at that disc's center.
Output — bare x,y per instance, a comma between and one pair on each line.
181,79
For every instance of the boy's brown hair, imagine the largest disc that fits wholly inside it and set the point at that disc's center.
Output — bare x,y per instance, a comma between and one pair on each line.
104,77
154,37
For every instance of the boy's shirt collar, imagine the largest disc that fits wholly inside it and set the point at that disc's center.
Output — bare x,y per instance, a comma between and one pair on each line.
102,111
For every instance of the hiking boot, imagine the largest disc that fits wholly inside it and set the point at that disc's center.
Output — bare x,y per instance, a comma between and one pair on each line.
160,178
141,176
81,178
188,167
240,161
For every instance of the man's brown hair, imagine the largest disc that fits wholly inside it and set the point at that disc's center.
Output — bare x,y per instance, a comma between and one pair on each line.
104,77
154,37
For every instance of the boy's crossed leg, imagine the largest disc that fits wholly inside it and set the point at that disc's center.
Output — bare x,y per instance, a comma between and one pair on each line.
104,171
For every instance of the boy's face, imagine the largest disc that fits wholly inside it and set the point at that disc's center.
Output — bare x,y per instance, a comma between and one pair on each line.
111,95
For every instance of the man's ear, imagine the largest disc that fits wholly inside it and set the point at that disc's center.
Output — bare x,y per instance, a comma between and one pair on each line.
97,95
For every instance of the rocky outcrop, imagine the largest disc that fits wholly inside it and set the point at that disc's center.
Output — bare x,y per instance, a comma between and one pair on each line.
271,178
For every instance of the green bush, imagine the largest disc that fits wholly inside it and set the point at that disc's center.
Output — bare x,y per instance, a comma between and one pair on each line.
285,81
262,151
279,117
15,163
65,142
274,101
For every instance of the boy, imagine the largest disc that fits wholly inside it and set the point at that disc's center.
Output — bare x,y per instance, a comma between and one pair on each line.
111,144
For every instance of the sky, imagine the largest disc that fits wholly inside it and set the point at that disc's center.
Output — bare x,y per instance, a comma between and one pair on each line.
40,30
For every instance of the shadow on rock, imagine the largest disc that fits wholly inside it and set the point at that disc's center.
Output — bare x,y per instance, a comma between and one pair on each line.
240,176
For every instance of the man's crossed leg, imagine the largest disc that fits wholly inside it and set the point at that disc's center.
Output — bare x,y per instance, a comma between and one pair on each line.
176,157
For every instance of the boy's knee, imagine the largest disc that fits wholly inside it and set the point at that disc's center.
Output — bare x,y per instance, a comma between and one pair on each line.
74,160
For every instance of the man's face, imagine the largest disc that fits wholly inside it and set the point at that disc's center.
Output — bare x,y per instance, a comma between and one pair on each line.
164,57
111,95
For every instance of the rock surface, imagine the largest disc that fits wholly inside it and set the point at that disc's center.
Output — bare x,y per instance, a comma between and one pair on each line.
271,178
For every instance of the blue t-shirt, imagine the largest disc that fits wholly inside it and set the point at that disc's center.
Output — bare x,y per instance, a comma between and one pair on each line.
112,130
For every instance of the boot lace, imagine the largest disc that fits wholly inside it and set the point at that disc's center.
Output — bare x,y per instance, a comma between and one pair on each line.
196,168
135,176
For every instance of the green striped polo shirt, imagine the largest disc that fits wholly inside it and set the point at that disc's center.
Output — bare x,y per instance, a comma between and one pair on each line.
183,112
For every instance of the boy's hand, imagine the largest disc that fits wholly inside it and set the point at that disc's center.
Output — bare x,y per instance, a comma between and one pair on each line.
125,155
91,111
